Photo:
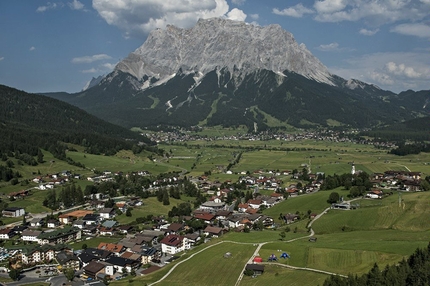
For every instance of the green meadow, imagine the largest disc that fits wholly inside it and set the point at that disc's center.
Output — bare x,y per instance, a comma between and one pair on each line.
278,275
151,206
211,267
347,242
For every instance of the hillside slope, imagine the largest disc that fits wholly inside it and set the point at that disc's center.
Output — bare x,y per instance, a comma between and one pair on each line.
29,122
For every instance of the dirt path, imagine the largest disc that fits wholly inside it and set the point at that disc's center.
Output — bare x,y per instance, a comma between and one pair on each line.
257,250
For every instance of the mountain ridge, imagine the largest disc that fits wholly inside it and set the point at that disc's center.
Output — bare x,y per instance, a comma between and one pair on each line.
249,47
184,77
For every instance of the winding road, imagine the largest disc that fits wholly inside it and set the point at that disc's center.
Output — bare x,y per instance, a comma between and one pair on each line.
257,250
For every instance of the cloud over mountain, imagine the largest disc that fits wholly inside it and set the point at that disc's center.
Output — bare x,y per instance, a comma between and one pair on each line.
143,16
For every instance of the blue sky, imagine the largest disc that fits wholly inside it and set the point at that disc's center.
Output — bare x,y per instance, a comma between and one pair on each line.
60,45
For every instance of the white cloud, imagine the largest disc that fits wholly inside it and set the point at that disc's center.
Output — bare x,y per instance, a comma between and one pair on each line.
238,2
32,49
330,6
329,47
1,58
418,30
374,12
90,59
381,78
383,70
254,16
296,11
108,66
236,15
48,6
366,32
402,70
75,5
143,16
92,70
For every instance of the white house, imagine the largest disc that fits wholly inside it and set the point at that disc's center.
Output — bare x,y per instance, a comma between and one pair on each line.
255,204
30,235
107,213
6,233
13,212
173,244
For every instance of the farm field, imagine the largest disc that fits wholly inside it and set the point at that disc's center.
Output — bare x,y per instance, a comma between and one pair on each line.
321,156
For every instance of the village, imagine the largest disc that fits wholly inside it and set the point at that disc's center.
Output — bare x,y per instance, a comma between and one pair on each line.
180,136
48,242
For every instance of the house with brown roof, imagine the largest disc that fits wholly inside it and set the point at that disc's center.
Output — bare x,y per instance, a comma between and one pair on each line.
125,229
222,214
374,194
251,211
6,233
242,207
173,244
66,219
193,237
117,249
93,268
290,218
213,231
106,231
175,228
131,255
206,217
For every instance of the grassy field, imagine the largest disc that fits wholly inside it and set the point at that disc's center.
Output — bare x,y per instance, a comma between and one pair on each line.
315,203
277,275
412,215
211,268
32,203
151,206
321,156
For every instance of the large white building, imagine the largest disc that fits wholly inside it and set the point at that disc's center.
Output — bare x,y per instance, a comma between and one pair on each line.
30,235
173,244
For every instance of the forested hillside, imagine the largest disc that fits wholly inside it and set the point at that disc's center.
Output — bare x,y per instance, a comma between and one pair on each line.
416,129
30,122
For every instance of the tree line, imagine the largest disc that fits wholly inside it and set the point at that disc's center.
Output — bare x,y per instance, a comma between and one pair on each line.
412,271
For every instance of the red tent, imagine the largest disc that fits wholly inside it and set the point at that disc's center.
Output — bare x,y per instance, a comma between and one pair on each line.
258,259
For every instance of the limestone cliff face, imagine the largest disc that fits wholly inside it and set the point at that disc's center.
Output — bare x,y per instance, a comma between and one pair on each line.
220,44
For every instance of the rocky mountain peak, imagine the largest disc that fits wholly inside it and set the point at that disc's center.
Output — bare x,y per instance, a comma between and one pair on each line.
215,44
